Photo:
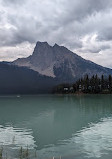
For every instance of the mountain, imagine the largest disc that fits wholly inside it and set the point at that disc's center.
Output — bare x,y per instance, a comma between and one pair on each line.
59,62
21,80
47,67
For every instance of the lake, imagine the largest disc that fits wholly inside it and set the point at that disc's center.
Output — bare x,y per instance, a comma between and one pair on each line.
60,126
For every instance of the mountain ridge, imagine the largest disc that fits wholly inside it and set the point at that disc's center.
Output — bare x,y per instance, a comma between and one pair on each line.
59,62
47,67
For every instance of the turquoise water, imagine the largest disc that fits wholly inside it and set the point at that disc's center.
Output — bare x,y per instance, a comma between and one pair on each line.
78,126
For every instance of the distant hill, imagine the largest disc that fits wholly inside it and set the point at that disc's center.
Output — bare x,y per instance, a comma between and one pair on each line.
20,80
59,62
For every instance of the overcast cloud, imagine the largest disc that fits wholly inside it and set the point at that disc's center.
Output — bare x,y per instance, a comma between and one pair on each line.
84,26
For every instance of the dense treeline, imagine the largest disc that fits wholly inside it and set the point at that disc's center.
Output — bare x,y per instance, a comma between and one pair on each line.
87,84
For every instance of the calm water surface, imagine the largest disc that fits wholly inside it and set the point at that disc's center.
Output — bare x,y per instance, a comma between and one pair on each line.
74,127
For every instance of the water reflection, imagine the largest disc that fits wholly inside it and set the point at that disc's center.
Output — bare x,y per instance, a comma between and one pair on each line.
96,140
15,137
74,126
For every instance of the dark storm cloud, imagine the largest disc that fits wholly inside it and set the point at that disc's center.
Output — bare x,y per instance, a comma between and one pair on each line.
67,20
28,31
106,34
78,10
98,49
73,23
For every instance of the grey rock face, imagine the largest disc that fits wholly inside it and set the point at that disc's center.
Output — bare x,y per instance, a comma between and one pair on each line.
58,61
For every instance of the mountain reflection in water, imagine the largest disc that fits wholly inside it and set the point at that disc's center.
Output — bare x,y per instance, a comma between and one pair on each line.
68,126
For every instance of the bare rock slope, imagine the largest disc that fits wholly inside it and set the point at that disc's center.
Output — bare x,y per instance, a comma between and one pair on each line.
58,61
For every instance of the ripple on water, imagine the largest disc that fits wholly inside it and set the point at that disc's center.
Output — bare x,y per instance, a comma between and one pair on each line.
95,140
16,137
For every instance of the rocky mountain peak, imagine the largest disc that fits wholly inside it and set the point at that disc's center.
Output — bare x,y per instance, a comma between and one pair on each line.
42,49
58,61
56,45
39,43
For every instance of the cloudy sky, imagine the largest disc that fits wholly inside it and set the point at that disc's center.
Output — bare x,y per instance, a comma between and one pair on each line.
84,26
